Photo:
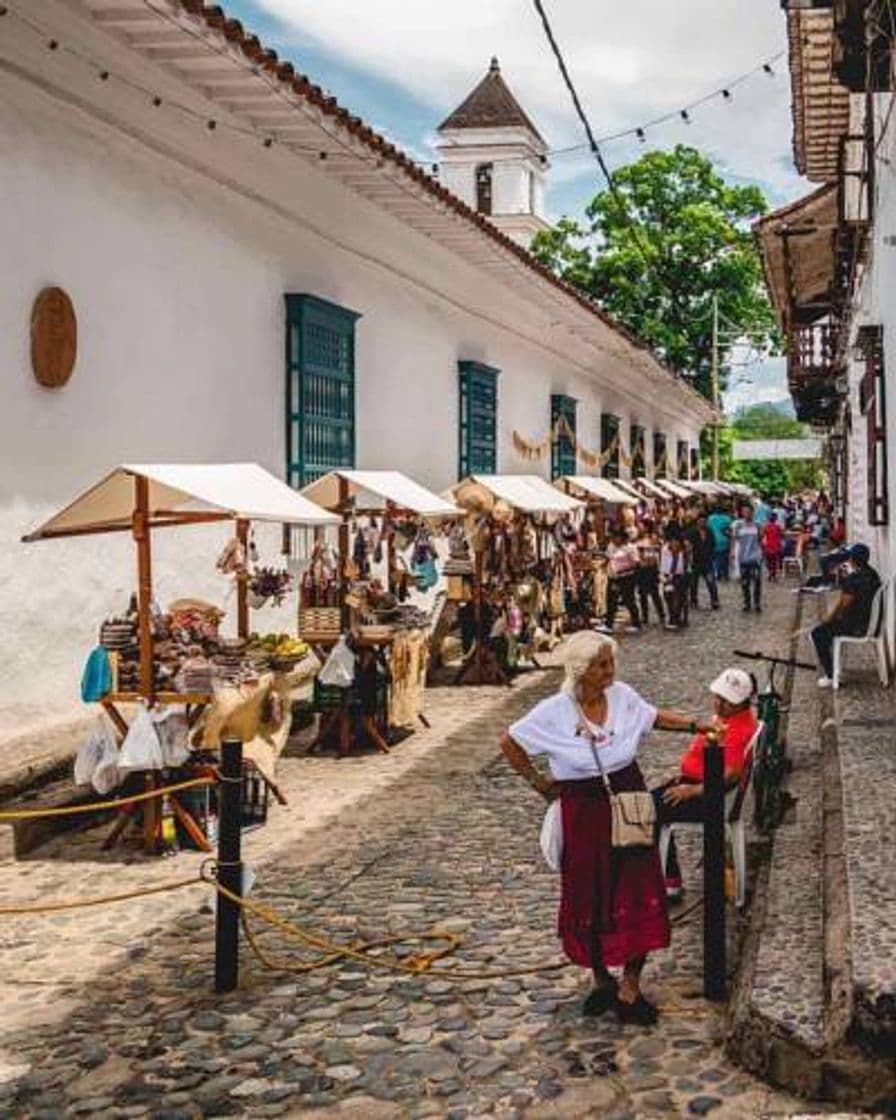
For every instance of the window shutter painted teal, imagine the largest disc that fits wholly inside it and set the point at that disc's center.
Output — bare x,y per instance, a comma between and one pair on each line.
320,388
609,430
637,451
563,452
660,466
478,419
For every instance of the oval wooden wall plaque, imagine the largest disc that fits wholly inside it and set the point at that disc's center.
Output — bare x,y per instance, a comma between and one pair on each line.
54,338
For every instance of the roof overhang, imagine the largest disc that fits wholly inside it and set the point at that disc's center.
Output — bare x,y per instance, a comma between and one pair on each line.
797,244
234,78
820,100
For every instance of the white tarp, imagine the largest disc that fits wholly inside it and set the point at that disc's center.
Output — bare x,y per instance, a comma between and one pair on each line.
528,493
601,488
628,488
235,490
673,487
373,490
650,488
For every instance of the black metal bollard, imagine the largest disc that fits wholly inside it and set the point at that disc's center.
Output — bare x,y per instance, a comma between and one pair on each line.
714,871
227,914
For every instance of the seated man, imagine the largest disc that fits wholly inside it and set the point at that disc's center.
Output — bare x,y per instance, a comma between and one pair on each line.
852,611
681,799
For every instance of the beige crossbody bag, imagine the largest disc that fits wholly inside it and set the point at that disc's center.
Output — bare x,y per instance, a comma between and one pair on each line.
632,814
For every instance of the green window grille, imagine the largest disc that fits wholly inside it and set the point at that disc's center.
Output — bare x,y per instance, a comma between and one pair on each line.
320,388
478,427
683,458
609,432
563,451
636,450
660,466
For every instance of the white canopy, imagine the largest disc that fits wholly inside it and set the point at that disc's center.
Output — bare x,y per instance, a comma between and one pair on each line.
374,490
628,488
601,488
673,488
528,493
650,488
179,491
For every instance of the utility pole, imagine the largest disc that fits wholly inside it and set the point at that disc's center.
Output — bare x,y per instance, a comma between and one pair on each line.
715,387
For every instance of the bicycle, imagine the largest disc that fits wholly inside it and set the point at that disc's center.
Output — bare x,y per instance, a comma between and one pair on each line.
770,761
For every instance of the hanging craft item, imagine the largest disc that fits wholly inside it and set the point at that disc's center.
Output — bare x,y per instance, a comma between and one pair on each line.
424,561
537,449
268,584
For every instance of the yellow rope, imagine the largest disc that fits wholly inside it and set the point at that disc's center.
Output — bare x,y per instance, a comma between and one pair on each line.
83,903
359,951
98,806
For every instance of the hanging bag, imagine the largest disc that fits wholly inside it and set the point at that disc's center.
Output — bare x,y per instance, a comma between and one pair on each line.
632,814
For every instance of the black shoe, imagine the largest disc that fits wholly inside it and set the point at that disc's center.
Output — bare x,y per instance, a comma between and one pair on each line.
715,605
758,609
641,1013
600,1000
746,608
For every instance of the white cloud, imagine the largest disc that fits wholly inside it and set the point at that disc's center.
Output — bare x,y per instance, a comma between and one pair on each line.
631,61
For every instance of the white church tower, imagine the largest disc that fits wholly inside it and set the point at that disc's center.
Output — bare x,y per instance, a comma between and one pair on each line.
494,158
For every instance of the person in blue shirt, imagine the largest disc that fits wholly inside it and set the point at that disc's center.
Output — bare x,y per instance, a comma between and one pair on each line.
762,513
719,524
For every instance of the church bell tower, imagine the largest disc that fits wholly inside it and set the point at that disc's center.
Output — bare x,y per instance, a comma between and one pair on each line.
493,157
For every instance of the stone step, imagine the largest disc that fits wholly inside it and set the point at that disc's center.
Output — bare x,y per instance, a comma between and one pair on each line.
866,743
19,838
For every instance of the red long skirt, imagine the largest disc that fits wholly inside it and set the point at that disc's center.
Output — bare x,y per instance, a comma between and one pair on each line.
614,900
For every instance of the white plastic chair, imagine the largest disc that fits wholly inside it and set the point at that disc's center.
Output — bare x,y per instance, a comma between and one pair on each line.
796,561
876,634
735,828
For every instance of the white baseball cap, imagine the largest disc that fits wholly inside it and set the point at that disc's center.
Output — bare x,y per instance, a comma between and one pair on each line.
733,685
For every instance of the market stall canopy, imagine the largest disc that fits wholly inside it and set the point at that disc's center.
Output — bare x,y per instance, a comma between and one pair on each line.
527,493
601,488
374,490
673,488
650,488
181,494
627,488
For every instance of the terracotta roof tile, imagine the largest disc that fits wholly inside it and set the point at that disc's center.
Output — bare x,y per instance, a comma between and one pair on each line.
490,105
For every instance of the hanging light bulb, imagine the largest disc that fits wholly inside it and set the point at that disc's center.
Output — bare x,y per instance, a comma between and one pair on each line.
726,93
685,116
769,69
641,134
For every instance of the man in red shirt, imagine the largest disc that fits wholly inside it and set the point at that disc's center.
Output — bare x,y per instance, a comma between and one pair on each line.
681,798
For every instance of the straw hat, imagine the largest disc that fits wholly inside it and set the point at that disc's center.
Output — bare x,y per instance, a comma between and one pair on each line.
474,497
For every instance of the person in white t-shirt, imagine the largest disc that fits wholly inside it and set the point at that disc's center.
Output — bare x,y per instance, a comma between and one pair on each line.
613,901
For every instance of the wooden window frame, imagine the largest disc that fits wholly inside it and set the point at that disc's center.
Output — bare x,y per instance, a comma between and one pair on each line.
872,401
477,429
563,452
321,409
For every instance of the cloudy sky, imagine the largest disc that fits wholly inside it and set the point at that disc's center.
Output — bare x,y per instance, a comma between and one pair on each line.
404,65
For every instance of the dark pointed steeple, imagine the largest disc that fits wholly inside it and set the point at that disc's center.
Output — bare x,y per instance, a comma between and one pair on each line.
490,105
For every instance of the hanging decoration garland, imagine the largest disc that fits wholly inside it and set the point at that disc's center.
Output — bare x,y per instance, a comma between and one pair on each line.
534,449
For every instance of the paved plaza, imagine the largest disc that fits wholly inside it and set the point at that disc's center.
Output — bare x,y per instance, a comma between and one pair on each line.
110,1012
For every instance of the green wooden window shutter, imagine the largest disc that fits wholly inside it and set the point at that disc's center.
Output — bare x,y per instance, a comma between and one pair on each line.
659,455
478,425
320,388
637,451
609,430
563,452
683,466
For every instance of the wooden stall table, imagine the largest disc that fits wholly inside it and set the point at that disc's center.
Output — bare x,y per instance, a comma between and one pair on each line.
340,718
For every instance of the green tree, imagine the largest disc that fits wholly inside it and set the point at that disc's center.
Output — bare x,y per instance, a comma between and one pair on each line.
654,253
768,476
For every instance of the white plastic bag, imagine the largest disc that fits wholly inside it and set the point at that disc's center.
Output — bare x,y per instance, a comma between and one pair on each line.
552,836
173,731
98,750
141,749
339,669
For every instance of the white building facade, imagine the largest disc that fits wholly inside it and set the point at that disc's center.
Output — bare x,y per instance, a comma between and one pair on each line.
257,276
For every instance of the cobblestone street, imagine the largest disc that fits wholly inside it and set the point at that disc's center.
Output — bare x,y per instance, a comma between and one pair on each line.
111,1012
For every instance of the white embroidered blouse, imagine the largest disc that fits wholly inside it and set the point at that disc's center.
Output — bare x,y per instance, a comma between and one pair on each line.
554,729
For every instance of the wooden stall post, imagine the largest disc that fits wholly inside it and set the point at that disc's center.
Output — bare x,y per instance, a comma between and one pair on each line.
345,614
242,582
144,587
229,871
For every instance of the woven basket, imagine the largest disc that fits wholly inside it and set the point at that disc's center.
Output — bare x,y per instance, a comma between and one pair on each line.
319,620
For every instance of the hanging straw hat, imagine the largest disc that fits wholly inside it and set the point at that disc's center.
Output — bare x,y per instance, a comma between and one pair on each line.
474,497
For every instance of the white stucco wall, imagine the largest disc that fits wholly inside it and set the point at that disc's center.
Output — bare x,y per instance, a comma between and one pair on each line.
178,287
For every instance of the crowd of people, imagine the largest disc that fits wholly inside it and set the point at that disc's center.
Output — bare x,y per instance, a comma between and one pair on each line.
660,556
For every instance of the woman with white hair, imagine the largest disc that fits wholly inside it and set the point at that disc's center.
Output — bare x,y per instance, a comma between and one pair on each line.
613,900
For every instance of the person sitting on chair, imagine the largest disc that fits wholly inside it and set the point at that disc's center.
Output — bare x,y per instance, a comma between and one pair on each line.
851,613
681,798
